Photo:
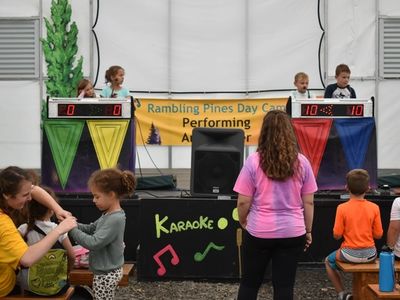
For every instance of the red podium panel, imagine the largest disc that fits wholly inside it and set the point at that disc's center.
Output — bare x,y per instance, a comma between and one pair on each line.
312,136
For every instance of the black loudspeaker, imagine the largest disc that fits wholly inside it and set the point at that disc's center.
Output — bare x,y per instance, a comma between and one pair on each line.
217,158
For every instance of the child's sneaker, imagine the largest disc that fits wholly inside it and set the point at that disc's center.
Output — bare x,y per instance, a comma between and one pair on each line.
347,296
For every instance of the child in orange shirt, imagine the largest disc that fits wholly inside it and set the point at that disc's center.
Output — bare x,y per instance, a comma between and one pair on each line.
358,222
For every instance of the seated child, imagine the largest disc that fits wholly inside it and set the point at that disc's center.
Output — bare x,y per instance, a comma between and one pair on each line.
40,216
358,222
340,89
393,233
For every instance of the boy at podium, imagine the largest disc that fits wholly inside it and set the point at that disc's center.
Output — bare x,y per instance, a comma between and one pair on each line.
341,89
301,82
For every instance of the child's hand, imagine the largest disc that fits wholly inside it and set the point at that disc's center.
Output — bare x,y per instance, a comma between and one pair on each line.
67,224
62,214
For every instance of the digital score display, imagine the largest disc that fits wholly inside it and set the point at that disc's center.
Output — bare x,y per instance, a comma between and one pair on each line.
89,110
332,110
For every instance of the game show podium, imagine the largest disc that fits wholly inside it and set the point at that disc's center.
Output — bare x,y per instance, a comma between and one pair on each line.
336,135
81,136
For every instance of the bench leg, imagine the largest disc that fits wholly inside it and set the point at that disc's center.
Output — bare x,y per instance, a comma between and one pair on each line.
360,284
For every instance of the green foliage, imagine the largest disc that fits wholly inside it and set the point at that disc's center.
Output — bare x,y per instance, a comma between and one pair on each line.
43,112
60,48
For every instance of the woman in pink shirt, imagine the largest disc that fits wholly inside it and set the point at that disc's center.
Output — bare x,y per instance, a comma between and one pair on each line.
275,204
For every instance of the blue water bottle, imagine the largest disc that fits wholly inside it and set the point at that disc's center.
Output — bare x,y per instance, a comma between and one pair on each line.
386,270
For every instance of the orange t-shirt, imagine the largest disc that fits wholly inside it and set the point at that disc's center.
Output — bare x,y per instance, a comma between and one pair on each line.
359,222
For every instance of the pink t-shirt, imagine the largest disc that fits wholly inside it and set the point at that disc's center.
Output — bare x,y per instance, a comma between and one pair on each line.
277,207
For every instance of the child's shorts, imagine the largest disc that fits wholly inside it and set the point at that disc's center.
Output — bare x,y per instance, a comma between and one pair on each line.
360,256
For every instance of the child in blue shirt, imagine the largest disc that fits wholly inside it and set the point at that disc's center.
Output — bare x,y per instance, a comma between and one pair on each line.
114,79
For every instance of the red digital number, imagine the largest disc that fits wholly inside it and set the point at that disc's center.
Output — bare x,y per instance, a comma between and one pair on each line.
117,110
113,110
312,110
357,110
70,109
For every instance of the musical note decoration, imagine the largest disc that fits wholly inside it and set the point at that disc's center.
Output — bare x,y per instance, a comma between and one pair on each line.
174,260
198,256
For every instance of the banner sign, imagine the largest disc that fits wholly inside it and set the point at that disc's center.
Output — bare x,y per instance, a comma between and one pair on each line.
171,121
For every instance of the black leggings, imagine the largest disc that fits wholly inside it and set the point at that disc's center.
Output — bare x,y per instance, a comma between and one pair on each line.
257,253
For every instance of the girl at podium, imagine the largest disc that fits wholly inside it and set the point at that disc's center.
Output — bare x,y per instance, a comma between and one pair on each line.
275,189
85,89
114,80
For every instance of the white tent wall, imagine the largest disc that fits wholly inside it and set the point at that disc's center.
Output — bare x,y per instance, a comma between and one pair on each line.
205,46
19,8
388,125
388,106
351,37
20,124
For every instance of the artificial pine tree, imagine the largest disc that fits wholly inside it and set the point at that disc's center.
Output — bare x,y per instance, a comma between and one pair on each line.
60,48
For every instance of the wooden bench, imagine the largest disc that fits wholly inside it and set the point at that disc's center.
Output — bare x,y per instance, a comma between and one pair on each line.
376,294
85,277
66,296
363,274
